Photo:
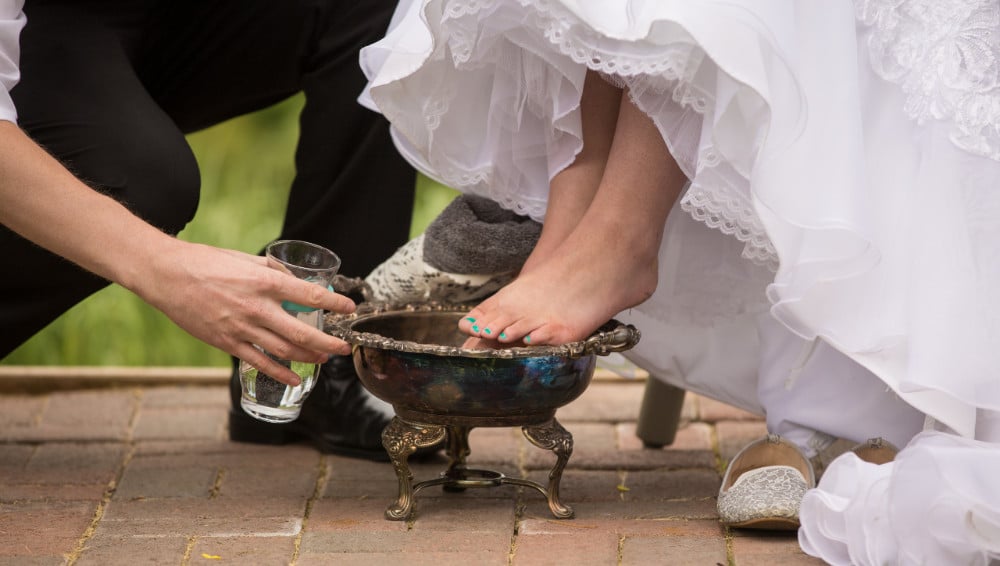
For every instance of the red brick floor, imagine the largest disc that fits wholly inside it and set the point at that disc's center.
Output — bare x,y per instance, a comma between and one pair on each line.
146,475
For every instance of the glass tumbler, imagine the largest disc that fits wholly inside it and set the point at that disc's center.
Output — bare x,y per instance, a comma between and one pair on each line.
264,397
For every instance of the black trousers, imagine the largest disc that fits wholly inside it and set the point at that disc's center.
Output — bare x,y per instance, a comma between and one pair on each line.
110,87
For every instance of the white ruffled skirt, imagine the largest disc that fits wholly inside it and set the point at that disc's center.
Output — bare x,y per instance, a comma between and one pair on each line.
937,503
844,162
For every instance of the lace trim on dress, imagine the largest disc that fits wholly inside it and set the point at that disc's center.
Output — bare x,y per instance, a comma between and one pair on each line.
466,7
718,206
666,70
945,55
562,29
734,216
532,209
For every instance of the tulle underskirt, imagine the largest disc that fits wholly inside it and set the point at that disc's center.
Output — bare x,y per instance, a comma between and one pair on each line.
937,503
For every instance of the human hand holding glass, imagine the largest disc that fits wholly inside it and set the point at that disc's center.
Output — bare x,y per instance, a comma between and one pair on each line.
264,397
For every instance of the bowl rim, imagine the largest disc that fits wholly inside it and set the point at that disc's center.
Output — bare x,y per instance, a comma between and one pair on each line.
613,336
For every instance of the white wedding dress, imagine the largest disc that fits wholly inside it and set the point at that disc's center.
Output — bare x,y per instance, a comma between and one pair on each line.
835,260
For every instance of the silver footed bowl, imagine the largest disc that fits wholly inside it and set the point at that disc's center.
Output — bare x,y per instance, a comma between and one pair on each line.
411,356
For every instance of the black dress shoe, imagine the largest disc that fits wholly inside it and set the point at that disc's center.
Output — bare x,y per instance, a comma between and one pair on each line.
338,417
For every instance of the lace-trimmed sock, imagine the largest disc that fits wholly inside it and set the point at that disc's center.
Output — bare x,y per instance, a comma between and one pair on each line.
472,249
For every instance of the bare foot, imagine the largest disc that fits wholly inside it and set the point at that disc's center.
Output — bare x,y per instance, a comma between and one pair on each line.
565,299
607,262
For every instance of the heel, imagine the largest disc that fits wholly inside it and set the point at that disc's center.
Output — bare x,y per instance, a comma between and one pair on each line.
244,428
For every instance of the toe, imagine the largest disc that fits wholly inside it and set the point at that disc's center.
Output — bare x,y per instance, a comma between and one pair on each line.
469,323
494,327
522,330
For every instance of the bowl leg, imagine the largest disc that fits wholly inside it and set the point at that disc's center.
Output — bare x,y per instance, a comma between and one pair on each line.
458,452
401,439
552,436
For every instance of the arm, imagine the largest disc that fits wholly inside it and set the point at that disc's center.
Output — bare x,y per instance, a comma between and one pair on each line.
228,299
11,22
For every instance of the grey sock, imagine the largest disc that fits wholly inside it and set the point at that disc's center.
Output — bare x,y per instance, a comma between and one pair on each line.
474,235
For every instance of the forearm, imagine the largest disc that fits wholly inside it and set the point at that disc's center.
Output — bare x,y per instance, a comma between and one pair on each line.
45,203
229,299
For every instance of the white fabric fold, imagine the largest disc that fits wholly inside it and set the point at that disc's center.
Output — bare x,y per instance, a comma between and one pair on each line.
937,503
851,201
12,20
794,147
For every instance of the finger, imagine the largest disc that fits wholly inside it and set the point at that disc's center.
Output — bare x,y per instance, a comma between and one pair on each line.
283,349
313,296
305,336
258,359
277,265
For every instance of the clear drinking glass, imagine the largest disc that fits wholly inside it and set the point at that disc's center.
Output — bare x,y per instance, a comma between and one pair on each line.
264,397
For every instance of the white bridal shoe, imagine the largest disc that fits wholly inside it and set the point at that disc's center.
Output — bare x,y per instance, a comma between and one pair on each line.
764,484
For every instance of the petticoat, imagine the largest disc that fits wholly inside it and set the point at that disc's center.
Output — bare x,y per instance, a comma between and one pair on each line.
844,163
937,503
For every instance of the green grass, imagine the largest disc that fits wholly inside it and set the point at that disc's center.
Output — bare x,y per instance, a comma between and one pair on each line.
246,168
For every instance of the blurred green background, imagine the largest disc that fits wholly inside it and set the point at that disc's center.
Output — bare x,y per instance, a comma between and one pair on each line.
246,169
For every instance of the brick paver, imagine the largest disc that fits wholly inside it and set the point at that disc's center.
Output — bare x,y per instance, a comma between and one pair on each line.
146,475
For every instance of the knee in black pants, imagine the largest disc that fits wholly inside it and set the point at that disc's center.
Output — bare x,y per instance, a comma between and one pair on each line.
79,97
154,176
158,181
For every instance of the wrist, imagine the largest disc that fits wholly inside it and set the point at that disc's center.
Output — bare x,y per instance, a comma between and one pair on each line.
146,262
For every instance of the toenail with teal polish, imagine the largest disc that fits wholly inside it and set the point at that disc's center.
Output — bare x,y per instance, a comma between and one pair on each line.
475,328
470,319
527,339
503,334
488,331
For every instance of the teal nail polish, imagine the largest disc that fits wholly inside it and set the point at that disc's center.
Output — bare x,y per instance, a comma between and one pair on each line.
527,339
475,328
488,331
470,319
503,334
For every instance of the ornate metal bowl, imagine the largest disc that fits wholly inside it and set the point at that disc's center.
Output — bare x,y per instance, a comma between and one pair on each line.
411,356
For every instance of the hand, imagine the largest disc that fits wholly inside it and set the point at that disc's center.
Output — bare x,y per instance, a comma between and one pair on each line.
232,300
228,299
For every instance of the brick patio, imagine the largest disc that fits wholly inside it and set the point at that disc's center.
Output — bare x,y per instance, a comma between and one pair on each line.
144,474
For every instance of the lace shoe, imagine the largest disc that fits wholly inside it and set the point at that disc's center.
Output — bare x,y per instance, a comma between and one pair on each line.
764,485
